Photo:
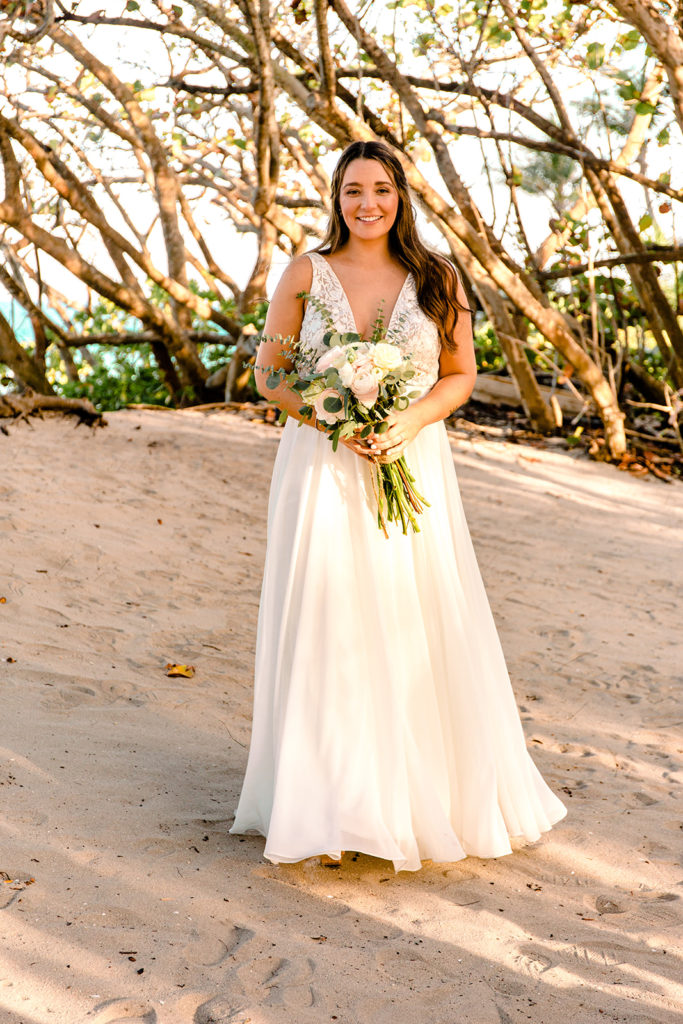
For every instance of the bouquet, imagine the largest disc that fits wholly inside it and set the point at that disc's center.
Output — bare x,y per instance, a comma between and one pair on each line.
352,388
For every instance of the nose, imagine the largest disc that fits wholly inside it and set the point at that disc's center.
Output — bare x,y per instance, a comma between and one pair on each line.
367,201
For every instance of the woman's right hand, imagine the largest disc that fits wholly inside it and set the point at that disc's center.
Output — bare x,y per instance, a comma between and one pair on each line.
359,445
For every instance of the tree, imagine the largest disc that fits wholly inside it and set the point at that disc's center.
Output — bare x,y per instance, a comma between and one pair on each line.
255,98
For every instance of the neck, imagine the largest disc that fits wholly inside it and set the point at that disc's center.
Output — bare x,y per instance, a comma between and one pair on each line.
367,251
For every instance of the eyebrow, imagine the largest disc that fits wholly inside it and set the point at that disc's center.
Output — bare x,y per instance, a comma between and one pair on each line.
358,184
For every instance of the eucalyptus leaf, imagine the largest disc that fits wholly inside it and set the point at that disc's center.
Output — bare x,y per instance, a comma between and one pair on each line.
332,404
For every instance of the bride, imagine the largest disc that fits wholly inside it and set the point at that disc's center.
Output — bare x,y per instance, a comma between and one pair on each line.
384,719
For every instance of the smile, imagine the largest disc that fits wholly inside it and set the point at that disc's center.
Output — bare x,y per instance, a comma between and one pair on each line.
369,220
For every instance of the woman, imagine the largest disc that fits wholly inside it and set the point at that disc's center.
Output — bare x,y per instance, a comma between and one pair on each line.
384,719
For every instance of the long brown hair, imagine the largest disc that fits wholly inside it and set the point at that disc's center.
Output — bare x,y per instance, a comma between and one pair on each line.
435,277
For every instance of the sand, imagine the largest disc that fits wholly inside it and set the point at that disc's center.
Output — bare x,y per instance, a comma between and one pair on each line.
124,898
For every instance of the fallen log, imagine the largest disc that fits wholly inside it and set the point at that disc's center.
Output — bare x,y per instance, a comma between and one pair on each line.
15,406
499,390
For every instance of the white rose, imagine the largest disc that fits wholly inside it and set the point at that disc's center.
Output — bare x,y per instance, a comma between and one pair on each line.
386,357
334,357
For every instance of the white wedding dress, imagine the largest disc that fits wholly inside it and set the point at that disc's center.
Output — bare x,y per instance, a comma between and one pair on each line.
384,720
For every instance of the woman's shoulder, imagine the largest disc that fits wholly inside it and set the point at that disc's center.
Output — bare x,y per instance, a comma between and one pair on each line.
298,273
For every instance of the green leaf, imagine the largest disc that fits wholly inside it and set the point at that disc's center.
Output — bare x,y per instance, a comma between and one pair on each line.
630,40
382,427
595,55
132,5
643,107
282,418
366,431
332,404
273,380
645,222
515,175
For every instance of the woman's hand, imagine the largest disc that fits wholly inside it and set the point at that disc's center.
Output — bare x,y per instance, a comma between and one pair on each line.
357,444
404,427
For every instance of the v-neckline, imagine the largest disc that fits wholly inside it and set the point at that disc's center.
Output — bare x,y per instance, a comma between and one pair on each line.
348,303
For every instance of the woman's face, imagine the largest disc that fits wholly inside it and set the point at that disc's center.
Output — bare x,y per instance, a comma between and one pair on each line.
368,199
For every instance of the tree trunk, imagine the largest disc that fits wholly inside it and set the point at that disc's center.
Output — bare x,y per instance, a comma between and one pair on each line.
17,359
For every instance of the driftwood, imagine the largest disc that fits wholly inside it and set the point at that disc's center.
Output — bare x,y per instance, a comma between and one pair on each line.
498,390
14,406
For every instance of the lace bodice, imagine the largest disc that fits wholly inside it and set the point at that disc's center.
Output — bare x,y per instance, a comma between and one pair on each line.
409,327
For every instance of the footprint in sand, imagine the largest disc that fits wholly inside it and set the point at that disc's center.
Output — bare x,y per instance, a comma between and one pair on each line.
532,962
608,905
122,1011
156,847
72,695
255,978
599,954
220,1010
206,951
279,984
212,950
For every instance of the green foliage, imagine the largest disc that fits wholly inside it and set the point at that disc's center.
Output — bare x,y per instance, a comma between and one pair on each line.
487,350
121,376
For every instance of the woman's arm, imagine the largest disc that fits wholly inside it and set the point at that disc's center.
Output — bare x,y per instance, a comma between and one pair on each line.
457,376
285,314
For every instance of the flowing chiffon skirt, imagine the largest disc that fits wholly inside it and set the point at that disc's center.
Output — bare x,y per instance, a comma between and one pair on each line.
384,719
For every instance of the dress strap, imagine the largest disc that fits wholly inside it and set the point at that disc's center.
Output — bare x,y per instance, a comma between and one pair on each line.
319,267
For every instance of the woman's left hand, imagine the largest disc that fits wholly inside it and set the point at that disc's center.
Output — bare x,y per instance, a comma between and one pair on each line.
404,427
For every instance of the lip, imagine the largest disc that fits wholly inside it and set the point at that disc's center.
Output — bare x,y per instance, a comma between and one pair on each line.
369,220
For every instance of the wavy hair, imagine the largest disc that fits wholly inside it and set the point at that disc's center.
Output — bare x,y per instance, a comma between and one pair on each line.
435,277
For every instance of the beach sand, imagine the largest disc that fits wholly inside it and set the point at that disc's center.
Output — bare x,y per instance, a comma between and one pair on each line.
124,899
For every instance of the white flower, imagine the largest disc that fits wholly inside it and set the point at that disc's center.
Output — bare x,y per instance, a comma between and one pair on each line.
346,374
336,357
386,357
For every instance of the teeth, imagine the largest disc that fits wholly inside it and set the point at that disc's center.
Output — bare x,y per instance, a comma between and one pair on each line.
368,220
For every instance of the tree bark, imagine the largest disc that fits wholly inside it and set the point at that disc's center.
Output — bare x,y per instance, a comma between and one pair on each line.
663,39
21,406
17,359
